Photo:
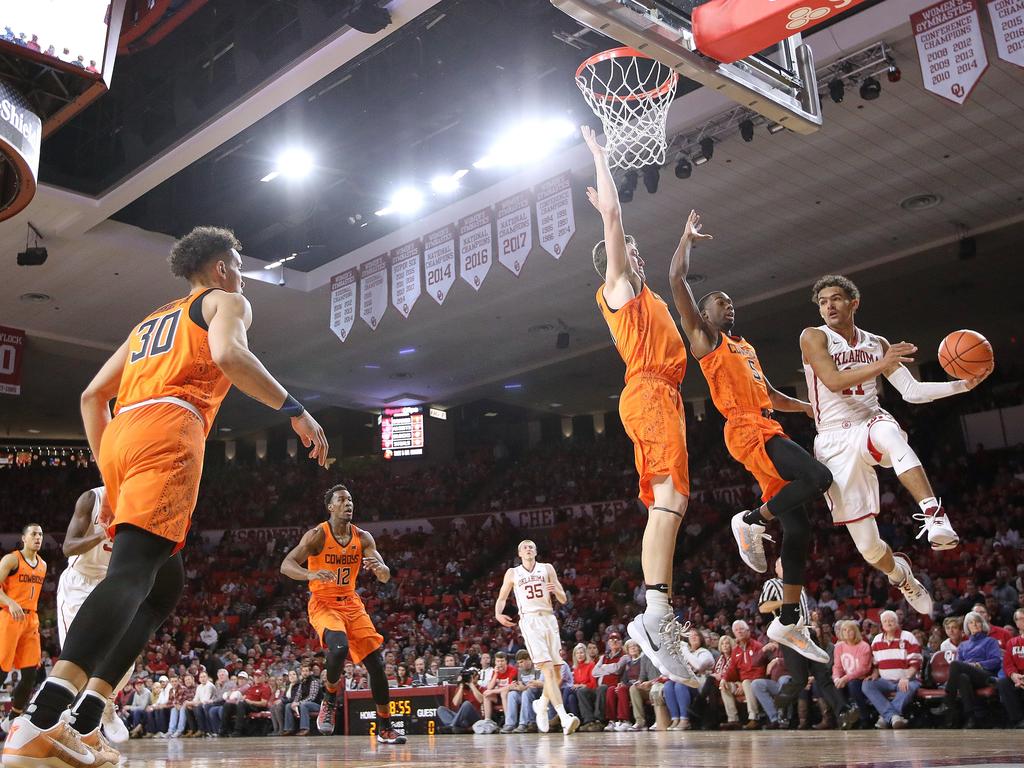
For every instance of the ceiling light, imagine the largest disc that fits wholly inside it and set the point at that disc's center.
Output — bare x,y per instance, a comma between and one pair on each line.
527,142
627,187
407,351
651,177
491,414
554,405
836,90
294,163
405,201
35,298
446,184
271,176
870,89
774,128
371,366
921,202
893,74
33,431
225,429
747,130
513,386
683,168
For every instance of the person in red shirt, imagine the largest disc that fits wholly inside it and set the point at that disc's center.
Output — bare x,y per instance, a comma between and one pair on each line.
594,704
1011,687
999,634
255,699
748,664
496,691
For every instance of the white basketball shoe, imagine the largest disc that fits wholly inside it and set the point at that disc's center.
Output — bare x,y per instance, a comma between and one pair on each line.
750,539
666,648
911,588
798,637
936,524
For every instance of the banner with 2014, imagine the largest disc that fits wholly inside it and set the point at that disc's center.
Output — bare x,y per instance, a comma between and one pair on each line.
466,248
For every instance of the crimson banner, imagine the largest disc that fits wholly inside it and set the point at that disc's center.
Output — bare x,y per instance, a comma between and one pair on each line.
949,45
12,355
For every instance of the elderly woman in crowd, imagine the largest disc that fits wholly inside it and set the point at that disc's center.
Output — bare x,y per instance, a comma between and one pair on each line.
978,659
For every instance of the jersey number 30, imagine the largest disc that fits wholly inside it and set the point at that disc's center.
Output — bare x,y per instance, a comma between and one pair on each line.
156,336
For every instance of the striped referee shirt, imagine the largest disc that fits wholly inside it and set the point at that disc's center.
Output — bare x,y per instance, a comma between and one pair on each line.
772,591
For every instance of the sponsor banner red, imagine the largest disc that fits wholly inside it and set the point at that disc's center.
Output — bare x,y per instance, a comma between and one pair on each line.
12,356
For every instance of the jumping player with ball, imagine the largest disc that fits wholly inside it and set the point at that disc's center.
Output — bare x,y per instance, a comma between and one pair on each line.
842,364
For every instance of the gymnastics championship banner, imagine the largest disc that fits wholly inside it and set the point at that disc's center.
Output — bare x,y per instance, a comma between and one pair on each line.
373,290
556,221
439,262
476,246
12,355
1007,18
343,303
950,48
405,277
515,232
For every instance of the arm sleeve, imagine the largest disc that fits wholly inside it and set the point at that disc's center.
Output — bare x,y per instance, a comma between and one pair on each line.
914,391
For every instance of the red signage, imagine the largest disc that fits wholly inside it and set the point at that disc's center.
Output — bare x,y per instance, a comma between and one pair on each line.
12,354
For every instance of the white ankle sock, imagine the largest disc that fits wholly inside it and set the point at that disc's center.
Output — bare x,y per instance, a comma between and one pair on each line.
930,503
657,608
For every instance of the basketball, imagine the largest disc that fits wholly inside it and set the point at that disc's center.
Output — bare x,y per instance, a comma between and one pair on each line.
965,354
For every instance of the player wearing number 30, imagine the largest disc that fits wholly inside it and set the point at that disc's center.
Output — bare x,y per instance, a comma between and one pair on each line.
333,553
842,364
534,583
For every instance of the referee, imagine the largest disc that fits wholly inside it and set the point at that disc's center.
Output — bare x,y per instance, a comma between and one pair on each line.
800,667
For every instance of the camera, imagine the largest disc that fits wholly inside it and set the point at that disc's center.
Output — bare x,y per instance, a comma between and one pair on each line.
467,673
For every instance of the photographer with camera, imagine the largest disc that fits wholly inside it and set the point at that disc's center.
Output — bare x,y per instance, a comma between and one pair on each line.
467,700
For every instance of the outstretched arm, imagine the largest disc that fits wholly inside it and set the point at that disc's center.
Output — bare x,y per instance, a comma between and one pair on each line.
618,275
781,402
914,391
815,352
703,339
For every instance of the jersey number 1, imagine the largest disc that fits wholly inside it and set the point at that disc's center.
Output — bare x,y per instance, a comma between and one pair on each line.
156,336
858,390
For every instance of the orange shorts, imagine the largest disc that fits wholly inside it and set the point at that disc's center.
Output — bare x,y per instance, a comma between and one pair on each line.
151,459
19,641
745,436
348,615
652,415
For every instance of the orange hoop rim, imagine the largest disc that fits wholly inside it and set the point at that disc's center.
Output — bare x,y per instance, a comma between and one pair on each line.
623,52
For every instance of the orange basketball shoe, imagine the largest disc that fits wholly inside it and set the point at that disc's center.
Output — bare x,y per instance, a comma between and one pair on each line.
29,746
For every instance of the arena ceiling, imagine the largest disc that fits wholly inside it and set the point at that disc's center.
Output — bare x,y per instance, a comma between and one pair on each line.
784,209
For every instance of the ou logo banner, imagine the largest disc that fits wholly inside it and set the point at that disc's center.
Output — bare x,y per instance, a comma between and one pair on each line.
801,17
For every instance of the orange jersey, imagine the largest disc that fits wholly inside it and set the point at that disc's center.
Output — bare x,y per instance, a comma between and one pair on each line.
344,561
646,337
169,356
735,378
24,585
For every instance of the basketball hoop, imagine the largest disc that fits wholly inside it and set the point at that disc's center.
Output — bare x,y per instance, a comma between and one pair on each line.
631,93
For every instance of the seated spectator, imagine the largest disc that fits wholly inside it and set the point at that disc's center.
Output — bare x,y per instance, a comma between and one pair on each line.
467,700
256,698
582,677
897,668
141,699
309,698
713,685
420,676
283,703
519,716
183,694
496,692
222,688
158,714
748,664
996,632
978,659
851,664
954,628
641,693
606,671
765,689
680,696
1011,687
402,677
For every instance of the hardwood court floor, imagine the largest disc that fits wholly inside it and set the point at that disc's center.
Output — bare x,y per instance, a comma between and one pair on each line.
791,749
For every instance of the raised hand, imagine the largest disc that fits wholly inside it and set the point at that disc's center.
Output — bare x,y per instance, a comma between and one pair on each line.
590,136
692,231
899,353
974,381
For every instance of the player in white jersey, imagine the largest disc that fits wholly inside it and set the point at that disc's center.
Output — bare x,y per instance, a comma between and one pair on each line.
534,584
88,548
855,434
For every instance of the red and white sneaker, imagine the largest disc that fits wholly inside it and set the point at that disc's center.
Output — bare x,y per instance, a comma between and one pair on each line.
390,736
936,524
325,719
60,746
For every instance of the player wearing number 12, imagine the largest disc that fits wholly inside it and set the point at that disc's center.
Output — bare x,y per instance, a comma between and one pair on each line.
333,554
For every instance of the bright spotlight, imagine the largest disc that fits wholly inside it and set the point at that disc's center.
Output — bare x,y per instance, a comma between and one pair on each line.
405,201
295,163
527,142
446,184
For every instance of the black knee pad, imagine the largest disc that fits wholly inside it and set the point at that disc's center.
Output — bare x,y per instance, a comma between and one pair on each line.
378,680
337,652
822,477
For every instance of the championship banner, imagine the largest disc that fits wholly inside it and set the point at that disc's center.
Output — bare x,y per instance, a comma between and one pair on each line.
476,245
439,262
1008,27
12,355
556,221
515,232
373,290
405,277
950,48
729,30
343,303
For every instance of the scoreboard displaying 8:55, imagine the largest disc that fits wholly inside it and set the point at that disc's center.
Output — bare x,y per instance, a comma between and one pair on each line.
401,431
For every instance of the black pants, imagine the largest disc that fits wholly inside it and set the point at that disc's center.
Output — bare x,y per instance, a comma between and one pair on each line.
800,668
591,702
963,681
1012,698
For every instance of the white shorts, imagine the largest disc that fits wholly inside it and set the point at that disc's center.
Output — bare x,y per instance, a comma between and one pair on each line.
72,589
850,456
540,633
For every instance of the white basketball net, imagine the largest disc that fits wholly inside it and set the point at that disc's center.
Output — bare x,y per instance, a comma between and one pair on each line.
631,95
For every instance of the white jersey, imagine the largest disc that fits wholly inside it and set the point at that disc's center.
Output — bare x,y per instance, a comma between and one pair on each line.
531,589
94,563
858,404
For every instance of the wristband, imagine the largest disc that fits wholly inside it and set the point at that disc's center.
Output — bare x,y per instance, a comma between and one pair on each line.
291,407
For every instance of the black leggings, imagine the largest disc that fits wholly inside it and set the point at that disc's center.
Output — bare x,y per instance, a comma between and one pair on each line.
141,588
337,652
378,679
22,691
808,478
964,680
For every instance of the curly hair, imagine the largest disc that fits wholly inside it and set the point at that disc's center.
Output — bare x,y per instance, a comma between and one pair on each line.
192,252
845,284
600,254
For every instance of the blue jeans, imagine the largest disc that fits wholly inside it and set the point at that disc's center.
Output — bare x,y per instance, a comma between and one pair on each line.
766,689
306,708
518,711
572,704
464,718
176,724
877,691
855,695
677,699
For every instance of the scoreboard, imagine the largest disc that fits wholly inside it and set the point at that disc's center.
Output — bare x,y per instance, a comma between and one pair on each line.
401,431
413,710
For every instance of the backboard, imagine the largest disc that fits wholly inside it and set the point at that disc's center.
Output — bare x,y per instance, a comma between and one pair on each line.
779,84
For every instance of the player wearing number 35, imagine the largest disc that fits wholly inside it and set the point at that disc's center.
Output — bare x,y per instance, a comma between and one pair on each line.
169,378
333,554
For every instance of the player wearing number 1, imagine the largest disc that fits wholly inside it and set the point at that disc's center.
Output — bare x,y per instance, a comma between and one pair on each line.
789,477
842,363
22,573
329,557
169,378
